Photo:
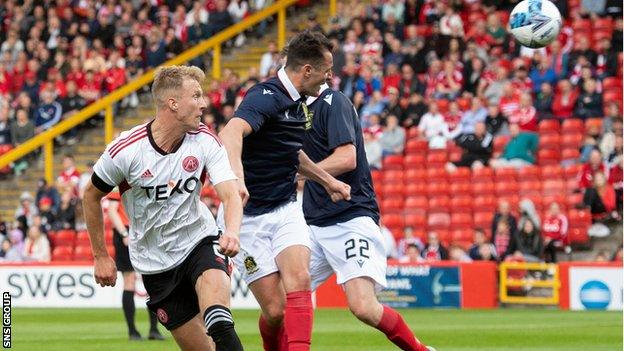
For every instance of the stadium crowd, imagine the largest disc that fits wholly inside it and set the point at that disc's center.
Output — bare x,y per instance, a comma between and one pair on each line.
443,77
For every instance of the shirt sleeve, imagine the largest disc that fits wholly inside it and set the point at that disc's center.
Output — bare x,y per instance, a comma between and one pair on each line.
107,172
340,128
217,162
257,107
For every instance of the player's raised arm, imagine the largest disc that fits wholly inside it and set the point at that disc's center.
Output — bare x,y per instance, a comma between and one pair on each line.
232,137
335,188
105,271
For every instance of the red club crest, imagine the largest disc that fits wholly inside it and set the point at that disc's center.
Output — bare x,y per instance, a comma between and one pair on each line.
190,163
162,315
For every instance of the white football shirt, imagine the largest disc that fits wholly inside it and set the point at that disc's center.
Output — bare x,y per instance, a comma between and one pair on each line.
161,192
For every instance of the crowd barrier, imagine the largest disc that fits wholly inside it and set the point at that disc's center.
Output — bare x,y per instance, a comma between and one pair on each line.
583,285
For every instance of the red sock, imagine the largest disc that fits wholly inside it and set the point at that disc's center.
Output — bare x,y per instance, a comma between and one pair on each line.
298,320
393,325
273,338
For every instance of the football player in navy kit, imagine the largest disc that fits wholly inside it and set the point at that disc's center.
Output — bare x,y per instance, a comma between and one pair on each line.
264,141
346,238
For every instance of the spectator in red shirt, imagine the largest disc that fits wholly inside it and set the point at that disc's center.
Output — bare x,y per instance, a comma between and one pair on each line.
91,88
434,250
595,164
555,230
564,101
69,179
391,78
526,115
510,101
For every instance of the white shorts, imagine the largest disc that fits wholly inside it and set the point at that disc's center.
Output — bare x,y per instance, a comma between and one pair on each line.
351,249
264,236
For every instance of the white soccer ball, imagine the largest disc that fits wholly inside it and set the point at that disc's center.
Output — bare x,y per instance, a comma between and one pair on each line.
535,23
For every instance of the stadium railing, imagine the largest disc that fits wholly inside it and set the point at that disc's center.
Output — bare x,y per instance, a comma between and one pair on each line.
214,44
520,276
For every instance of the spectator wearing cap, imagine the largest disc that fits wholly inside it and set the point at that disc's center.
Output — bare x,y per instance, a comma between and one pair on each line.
589,103
47,216
48,113
44,190
520,151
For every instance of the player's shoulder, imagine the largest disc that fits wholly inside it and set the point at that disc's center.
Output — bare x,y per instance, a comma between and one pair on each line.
204,133
126,140
266,90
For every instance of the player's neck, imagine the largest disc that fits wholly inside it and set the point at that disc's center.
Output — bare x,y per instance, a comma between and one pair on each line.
166,134
296,80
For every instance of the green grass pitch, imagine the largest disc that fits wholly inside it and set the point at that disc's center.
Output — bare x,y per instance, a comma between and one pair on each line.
337,330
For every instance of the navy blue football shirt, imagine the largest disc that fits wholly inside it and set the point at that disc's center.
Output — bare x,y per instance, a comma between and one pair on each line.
270,156
334,123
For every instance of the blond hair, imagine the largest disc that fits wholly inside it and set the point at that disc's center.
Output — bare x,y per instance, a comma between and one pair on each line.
170,78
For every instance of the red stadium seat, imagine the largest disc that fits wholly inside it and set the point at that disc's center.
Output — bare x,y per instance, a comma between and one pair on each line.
416,189
412,133
483,188
611,83
574,200
578,236
460,188
553,187
392,176
62,253
393,189
483,219
83,253
463,204
570,154
108,236
552,172
485,203
392,205
603,23
439,204
437,158
579,218
416,146
560,199
506,174
438,188
582,25
416,204
572,125
462,235
460,174
599,35
394,221
376,175
550,141
436,174
461,221
439,220
65,238
548,157
593,124
412,175
416,220
572,140
509,187
414,161
549,126
530,187
529,173
82,238
483,174
392,162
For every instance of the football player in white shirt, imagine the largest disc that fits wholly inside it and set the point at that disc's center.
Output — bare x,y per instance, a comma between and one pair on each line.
174,241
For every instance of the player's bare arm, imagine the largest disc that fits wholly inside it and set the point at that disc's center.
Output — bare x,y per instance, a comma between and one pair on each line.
105,271
232,137
233,214
342,160
335,188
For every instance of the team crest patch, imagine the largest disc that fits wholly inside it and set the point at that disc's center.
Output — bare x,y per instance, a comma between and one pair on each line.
250,265
309,116
190,163
162,315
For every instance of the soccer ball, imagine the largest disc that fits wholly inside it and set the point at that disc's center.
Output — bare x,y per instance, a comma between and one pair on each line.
535,23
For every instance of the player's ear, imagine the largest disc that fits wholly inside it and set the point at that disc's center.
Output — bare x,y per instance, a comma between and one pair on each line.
307,70
172,104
